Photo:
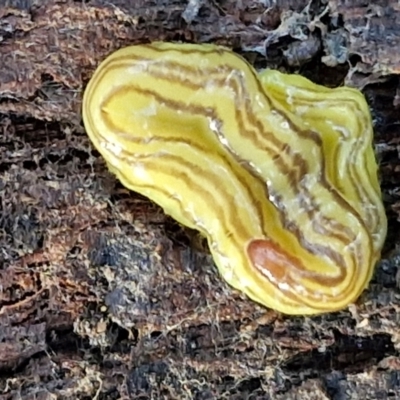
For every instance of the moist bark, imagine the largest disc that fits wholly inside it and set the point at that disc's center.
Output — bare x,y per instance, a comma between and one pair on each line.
103,295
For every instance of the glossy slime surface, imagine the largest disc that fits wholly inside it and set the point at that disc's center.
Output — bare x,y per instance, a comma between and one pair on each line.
277,172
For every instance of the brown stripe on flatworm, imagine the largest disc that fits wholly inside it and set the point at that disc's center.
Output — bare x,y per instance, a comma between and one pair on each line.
300,162
363,197
174,167
173,66
208,113
194,110
178,67
305,243
203,172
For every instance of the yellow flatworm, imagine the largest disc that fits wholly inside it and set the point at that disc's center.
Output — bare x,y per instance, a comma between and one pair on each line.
277,172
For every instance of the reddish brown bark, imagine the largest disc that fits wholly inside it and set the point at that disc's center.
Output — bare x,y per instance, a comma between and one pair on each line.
103,295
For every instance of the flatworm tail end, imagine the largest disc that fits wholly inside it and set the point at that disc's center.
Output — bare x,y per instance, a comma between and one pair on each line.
289,285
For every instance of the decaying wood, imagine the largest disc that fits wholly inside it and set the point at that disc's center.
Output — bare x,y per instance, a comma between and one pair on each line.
103,296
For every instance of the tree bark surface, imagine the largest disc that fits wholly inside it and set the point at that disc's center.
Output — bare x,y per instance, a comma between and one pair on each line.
103,296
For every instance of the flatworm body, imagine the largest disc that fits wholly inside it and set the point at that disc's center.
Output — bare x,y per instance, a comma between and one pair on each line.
277,172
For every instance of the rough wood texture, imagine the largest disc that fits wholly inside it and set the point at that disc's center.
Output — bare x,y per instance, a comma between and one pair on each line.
103,296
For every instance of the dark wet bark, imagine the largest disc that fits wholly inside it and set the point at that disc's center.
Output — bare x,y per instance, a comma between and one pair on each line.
103,295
